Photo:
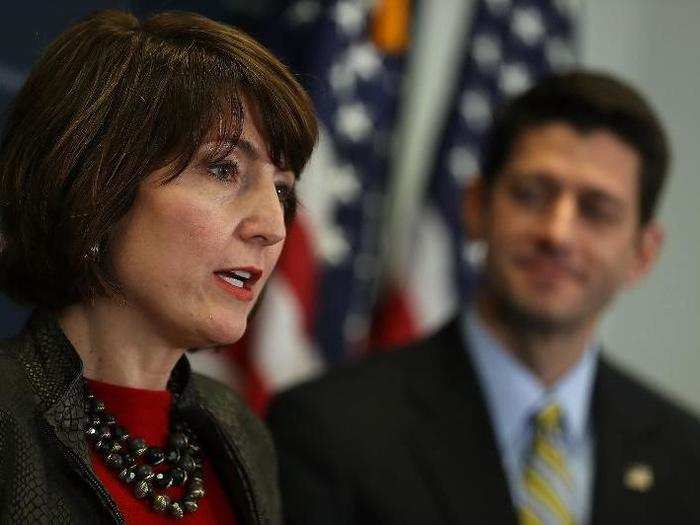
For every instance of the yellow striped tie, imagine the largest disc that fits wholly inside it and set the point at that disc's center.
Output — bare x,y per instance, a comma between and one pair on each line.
548,486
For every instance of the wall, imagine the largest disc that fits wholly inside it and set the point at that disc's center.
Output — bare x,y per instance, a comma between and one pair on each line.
655,329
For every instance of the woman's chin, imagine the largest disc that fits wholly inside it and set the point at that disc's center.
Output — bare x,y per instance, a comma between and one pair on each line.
224,330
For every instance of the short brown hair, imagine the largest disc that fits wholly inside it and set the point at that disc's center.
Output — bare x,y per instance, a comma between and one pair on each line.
586,100
111,101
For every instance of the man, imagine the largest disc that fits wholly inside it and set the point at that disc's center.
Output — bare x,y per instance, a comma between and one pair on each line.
510,414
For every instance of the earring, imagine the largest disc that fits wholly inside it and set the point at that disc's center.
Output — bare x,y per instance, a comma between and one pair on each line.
93,252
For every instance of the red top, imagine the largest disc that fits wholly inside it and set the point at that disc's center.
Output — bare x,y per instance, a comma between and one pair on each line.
146,414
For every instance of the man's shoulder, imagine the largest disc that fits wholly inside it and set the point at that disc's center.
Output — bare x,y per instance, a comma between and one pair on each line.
642,404
376,379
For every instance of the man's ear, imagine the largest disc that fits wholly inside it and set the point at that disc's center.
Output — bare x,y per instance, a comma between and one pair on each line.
474,203
649,244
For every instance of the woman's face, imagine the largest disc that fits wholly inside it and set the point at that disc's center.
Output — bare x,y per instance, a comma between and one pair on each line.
192,256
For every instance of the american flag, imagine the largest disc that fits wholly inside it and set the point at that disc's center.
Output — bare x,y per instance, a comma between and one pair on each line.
511,43
318,307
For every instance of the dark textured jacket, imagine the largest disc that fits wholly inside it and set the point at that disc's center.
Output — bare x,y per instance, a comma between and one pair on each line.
45,470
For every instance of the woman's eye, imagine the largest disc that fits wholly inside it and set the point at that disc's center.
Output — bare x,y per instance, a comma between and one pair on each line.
287,197
224,171
284,192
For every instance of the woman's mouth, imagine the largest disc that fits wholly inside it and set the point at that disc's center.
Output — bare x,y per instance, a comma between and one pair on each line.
238,282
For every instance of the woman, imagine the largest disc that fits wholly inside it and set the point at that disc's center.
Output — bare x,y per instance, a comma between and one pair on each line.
147,174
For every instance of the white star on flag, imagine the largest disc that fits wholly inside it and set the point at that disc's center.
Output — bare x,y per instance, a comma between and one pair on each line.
350,17
462,164
528,26
498,6
514,78
364,60
303,12
486,50
353,122
475,107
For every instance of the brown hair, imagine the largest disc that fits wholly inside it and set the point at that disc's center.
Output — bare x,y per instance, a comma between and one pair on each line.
111,101
587,101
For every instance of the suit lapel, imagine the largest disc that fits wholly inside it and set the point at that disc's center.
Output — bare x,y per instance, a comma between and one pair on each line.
451,437
623,465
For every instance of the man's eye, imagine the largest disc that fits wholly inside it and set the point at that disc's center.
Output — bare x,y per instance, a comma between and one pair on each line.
527,194
597,212
224,171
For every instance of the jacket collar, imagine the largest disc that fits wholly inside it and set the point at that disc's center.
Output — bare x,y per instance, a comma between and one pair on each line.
55,373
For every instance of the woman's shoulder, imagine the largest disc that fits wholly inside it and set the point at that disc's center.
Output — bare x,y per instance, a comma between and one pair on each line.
221,400
13,375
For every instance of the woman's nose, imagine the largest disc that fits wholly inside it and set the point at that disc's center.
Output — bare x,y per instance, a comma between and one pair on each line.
264,218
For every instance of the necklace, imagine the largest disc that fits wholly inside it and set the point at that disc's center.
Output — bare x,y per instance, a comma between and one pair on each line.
149,470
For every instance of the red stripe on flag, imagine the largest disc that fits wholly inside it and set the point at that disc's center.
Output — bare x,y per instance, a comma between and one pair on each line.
394,322
299,268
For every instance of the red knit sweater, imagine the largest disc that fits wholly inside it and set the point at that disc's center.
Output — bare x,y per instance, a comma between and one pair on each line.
146,414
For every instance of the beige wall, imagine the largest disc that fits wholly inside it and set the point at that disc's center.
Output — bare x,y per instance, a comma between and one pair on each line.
655,329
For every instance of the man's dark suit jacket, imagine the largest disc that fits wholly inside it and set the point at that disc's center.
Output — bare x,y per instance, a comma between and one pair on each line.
404,438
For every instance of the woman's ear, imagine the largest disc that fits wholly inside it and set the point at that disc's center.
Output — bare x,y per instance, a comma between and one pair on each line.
474,209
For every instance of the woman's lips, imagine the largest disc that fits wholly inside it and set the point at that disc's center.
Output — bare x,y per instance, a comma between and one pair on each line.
238,282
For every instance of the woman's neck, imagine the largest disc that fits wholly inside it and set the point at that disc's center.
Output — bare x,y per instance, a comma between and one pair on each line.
118,346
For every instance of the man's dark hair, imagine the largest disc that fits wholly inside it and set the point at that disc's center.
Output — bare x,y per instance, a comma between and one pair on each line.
587,101
111,101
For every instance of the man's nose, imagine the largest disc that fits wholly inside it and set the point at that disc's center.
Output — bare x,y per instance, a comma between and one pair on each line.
263,222
559,220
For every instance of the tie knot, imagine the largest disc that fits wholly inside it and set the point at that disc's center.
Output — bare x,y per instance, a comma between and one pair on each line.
549,418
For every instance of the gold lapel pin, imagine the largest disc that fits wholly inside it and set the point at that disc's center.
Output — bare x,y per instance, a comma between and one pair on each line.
639,477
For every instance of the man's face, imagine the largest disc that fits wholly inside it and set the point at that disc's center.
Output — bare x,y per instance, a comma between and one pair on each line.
561,223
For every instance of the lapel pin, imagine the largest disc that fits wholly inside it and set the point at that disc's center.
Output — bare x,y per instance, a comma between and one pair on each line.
639,477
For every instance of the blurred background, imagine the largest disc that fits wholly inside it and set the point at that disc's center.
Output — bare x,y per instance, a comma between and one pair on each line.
404,92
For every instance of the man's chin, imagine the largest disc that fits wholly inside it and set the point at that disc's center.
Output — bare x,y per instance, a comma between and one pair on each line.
543,317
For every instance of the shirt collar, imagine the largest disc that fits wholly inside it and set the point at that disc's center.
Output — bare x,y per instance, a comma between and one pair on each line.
514,394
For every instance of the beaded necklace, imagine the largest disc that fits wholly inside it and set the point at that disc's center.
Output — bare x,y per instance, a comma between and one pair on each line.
148,469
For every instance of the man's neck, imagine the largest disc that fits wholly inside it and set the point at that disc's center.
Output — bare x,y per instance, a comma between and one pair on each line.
548,354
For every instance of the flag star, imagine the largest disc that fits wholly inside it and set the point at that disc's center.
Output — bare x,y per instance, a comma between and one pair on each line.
514,78
527,24
486,50
341,78
349,16
498,6
353,122
333,245
345,184
559,53
475,108
304,12
474,253
462,164
364,60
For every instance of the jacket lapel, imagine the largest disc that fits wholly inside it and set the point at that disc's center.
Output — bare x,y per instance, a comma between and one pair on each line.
624,468
451,436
